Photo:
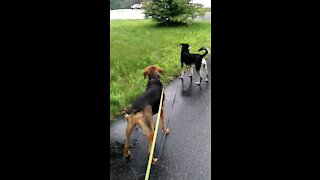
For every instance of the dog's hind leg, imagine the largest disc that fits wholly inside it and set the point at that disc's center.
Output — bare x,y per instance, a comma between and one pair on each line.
149,132
130,126
198,83
198,67
205,65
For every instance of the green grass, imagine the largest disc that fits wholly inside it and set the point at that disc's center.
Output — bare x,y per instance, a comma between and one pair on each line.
207,9
136,44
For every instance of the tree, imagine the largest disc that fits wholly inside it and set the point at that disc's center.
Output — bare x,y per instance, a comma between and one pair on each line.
173,11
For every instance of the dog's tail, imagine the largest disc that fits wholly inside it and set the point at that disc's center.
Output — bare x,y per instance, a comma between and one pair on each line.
206,49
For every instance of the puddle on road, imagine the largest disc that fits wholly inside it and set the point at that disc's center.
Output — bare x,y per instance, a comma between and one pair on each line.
116,150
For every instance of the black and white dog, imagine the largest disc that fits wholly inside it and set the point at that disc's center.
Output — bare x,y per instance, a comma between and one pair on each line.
196,60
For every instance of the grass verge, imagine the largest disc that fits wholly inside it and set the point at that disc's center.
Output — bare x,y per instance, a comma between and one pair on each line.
207,9
136,44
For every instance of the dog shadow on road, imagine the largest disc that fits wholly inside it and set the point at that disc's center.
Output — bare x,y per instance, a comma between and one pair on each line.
186,90
188,87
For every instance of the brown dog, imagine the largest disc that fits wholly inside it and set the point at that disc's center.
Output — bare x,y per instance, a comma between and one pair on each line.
142,110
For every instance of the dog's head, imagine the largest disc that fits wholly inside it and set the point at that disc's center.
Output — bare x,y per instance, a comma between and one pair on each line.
185,46
153,72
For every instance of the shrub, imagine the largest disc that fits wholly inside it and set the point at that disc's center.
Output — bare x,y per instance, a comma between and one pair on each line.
173,11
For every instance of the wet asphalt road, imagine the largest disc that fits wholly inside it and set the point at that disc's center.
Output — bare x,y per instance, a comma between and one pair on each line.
186,153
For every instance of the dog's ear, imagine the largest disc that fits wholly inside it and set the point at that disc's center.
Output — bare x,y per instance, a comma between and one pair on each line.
160,71
147,71
145,74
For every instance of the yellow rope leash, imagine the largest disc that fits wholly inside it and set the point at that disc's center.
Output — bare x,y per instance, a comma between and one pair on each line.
154,140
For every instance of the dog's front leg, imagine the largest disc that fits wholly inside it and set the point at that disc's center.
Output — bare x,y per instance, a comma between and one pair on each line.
182,71
165,130
149,132
191,71
150,138
147,125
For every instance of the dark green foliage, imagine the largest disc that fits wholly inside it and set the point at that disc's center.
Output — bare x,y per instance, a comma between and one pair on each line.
173,11
123,4
117,4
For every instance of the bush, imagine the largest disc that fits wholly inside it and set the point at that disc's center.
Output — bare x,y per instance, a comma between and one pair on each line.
173,11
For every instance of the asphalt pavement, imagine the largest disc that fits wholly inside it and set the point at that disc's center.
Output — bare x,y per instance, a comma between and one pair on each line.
186,152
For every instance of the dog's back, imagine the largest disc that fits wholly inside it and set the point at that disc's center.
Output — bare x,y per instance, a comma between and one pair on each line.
151,96
188,58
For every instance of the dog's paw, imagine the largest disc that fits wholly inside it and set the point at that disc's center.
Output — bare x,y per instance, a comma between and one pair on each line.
207,80
197,83
154,161
127,153
167,131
